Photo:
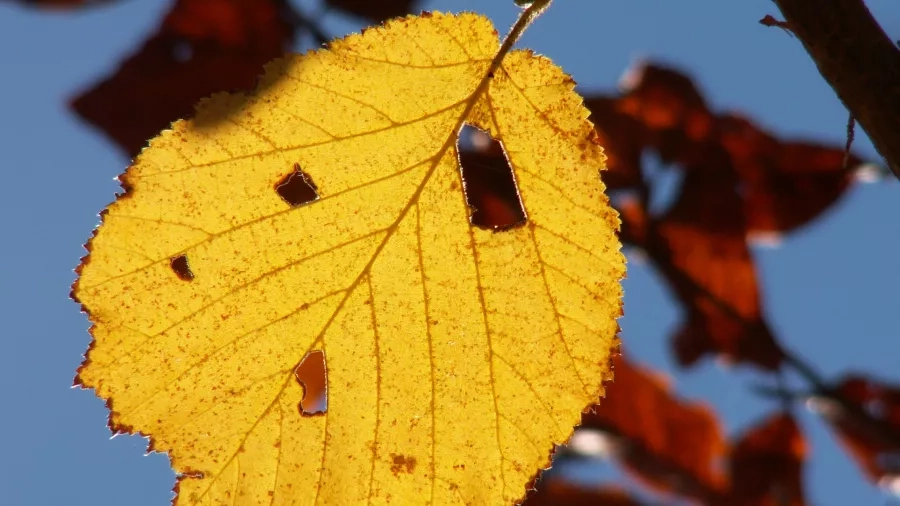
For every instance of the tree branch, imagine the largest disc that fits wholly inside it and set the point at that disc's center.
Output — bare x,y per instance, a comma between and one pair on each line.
858,60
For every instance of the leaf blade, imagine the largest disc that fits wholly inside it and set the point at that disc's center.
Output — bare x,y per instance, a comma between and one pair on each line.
208,367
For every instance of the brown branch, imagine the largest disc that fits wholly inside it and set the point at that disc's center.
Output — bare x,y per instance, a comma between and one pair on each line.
858,60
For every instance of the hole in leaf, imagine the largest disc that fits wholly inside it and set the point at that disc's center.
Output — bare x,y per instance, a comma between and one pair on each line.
181,268
313,377
297,188
488,182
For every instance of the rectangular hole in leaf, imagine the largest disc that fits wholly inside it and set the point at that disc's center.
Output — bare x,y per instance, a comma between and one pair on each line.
488,182
312,375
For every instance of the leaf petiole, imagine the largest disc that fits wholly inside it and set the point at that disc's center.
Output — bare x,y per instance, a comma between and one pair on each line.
532,11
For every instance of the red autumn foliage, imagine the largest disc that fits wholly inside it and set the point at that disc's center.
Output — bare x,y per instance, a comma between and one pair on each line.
375,11
668,444
700,247
676,447
738,180
766,464
202,47
785,184
874,441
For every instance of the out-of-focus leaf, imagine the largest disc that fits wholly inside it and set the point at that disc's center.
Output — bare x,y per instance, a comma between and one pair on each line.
701,250
674,113
766,464
785,184
875,445
669,444
202,47
375,10
623,138
738,181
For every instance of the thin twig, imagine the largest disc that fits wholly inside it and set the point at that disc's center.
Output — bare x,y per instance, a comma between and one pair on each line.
851,127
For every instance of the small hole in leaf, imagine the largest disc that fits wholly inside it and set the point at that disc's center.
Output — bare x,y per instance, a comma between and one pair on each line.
312,375
181,268
297,188
488,182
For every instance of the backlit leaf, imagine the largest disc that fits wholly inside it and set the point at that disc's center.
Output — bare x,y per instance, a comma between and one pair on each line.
326,213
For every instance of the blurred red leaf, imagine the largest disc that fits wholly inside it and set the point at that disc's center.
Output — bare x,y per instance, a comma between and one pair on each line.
669,444
376,11
766,464
557,492
700,248
678,124
623,138
202,47
873,440
786,184
738,181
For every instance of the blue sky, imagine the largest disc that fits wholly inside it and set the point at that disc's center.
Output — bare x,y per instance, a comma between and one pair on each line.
830,289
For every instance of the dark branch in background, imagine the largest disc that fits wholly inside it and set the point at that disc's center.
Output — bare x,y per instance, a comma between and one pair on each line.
858,60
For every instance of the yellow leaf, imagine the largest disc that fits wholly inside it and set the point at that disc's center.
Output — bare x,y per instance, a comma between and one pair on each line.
456,357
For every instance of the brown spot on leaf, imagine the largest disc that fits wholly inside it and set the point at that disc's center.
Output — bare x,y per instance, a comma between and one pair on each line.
402,464
181,268
312,375
297,188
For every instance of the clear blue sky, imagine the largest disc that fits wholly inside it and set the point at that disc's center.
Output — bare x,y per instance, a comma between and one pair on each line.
830,289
